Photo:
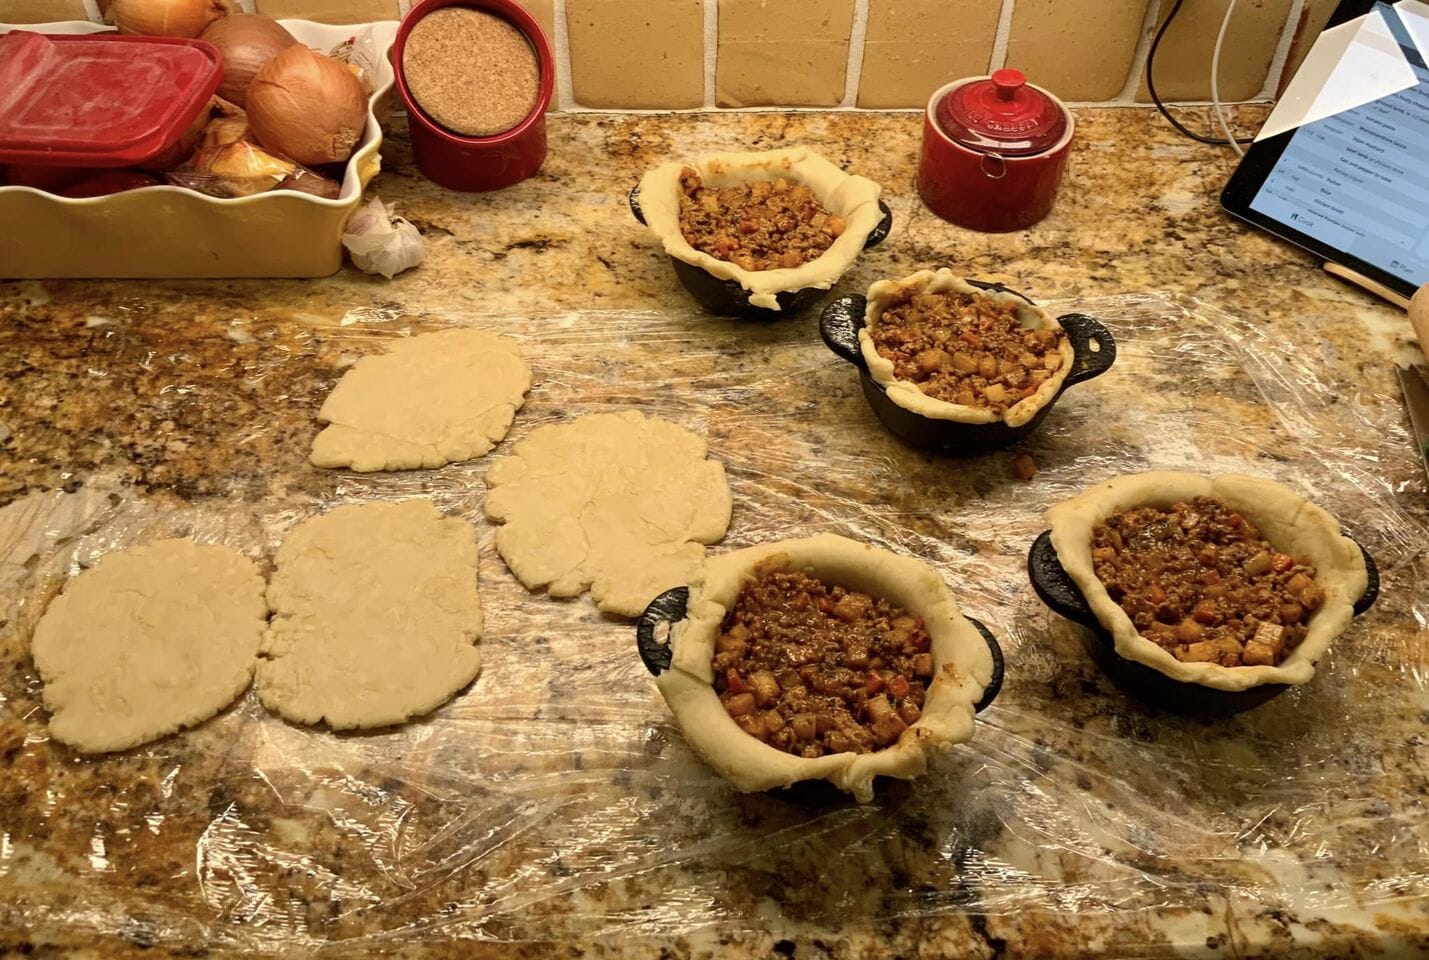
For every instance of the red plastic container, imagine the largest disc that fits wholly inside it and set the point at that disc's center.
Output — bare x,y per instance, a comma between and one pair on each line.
994,151
99,100
479,163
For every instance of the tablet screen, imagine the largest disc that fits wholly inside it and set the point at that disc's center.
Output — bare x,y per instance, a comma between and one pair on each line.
1348,147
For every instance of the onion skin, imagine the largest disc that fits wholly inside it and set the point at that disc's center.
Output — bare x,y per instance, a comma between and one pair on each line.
316,185
246,41
307,107
166,18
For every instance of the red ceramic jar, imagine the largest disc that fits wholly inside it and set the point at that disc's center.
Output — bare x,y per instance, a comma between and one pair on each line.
479,163
994,149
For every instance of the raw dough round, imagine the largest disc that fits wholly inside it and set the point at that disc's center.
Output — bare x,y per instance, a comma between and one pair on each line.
152,640
963,667
616,503
1289,522
375,616
428,401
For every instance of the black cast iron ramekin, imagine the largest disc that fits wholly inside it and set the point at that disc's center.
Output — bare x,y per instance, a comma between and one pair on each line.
728,299
1061,593
671,606
1093,348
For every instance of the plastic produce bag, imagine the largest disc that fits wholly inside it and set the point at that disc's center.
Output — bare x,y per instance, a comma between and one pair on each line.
380,242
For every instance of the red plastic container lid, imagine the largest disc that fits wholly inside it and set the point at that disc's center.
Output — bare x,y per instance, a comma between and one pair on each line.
1002,115
99,100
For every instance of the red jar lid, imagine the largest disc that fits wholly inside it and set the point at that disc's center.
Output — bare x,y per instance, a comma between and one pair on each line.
99,100
1002,115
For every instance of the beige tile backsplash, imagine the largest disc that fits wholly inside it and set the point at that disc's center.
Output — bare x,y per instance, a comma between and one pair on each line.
913,47
777,53
1185,51
646,55
874,54
1078,49
330,11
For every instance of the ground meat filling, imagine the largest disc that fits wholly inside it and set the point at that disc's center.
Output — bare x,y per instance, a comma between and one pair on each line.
763,225
966,348
813,669
1199,580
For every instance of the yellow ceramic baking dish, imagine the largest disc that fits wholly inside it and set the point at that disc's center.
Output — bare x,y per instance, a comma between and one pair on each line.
173,232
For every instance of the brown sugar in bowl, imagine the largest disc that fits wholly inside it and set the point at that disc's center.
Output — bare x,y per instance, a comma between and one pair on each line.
471,71
476,81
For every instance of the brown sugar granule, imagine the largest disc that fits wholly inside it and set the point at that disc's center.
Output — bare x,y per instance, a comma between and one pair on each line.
471,71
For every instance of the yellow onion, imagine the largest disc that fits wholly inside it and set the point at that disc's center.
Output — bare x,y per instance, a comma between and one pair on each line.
227,163
166,18
307,107
246,41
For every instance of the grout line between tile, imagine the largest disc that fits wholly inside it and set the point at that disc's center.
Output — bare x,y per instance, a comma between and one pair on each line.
561,42
997,59
911,111
711,28
853,72
91,10
1282,49
1149,23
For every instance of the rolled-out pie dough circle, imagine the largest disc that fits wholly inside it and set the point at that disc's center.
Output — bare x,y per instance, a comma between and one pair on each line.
375,616
428,401
151,640
619,504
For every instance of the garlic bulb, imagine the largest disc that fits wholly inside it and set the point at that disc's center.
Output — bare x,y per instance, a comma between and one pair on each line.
381,242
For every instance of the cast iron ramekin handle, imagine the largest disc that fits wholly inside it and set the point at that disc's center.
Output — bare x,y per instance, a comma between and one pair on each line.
839,326
994,686
1371,590
669,607
635,203
1052,584
880,233
1084,332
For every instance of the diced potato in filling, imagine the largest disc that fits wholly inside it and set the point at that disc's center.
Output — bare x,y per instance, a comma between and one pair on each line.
1198,579
966,348
813,669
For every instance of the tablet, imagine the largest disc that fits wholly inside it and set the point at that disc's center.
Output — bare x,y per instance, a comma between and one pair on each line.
1341,166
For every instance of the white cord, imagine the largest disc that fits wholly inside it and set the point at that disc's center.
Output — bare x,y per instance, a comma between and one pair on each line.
1216,81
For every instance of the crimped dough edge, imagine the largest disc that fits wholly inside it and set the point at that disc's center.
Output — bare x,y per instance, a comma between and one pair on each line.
963,667
910,396
1291,523
852,197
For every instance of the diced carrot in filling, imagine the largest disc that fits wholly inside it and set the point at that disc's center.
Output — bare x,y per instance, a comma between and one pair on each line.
814,669
1199,580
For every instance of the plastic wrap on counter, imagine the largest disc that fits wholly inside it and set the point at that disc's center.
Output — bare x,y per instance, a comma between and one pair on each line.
555,799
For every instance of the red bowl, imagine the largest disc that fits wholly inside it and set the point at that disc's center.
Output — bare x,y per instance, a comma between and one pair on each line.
985,191
479,163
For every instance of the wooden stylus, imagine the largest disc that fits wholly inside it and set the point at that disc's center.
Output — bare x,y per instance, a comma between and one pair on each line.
1364,282
1419,318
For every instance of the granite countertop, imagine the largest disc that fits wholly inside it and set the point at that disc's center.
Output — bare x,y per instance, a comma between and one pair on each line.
552,808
